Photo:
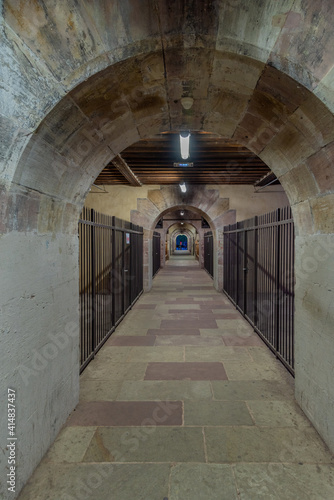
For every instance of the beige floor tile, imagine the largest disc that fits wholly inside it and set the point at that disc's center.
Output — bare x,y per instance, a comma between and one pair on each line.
252,390
160,353
264,444
284,481
277,414
70,445
217,353
97,390
173,390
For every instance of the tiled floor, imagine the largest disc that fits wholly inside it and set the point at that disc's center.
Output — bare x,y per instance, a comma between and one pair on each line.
184,402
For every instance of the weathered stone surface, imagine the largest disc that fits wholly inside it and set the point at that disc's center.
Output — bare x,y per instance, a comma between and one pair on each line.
299,184
240,17
224,219
321,165
284,90
325,90
323,210
28,90
73,33
314,121
302,216
254,132
218,207
307,47
290,144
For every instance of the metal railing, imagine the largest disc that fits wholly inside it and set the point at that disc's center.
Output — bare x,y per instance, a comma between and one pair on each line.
208,252
156,252
110,277
259,277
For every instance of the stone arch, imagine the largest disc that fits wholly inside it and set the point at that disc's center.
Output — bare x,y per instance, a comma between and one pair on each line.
206,202
196,225
58,133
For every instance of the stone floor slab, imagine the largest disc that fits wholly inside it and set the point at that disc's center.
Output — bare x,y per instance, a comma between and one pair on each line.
264,444
185,371
99,482
253,390
109,354
131,341
237,326
188,340
71,445
237,370
278,414
253,340
216,353
157,353
157,390
97,390
143,306
166,331
285,481
126,413
146,444
171,324
202,482
216,413
114,371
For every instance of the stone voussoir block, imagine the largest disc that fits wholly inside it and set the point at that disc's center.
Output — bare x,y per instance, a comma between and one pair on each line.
322,210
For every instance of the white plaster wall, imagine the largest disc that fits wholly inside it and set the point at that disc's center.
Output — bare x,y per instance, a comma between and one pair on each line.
116,200
120,200
314,323
249,203
39,342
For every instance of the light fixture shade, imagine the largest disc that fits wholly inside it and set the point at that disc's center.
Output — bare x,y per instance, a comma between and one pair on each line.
187,102
183,187
184,145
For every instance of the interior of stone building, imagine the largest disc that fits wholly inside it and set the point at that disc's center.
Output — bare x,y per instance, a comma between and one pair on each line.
96,97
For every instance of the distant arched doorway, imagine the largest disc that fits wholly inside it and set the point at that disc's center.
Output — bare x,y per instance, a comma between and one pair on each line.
181,242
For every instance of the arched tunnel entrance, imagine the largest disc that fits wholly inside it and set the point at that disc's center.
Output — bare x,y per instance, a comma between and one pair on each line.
77,95
181,242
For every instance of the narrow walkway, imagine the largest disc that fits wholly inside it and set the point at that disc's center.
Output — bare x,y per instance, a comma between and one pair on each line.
184,402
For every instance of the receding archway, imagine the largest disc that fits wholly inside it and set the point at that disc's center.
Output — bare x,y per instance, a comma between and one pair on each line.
182,242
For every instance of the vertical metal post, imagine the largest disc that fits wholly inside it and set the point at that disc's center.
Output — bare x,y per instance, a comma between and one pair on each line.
93,277
256,225
113,259
277,284
245,271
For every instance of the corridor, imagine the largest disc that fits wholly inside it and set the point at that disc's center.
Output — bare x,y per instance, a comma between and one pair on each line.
185,402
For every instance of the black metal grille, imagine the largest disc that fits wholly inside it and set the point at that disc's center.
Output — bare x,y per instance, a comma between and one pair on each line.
208,252
156,252
111,276
259,277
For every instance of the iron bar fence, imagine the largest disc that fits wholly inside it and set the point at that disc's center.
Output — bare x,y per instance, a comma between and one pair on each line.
156,252
259,277
110,277
208,252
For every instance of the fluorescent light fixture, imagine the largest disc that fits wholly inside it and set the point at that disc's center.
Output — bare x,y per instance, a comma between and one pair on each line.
184,145
183,187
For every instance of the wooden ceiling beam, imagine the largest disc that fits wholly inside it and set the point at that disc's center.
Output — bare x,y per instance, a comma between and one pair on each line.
126,171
